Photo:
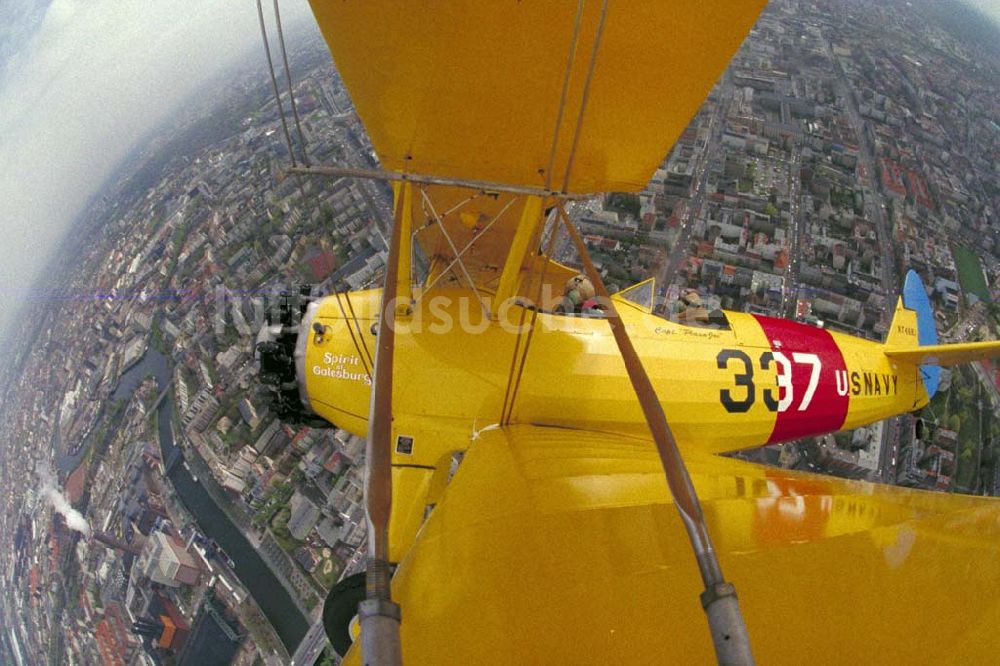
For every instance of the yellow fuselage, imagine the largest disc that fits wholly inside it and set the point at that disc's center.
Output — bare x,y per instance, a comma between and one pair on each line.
721,389
457,372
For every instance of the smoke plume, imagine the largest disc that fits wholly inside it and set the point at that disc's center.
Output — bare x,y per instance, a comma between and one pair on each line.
51,492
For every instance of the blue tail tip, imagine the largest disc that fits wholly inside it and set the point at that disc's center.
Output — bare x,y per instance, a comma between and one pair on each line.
915,298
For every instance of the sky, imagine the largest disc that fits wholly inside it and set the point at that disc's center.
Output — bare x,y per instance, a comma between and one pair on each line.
989,7
80,82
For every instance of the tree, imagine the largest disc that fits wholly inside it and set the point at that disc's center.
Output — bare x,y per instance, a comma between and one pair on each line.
954,422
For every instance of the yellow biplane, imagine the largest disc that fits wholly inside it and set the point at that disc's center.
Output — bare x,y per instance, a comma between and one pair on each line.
518,444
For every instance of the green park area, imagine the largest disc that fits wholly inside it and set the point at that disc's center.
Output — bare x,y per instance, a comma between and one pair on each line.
964,410
970,273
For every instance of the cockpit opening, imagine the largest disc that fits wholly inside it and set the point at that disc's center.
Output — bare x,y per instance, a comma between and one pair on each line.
690,310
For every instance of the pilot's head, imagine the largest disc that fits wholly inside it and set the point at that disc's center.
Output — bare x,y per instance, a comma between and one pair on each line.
690,297
579,288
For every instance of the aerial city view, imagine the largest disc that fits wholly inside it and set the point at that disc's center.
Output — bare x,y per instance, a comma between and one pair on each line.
164,501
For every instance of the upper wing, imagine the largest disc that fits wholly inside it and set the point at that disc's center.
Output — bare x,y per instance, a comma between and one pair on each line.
475,89
563,546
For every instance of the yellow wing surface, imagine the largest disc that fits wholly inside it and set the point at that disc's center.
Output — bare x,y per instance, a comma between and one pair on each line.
498,91
552,545
515,92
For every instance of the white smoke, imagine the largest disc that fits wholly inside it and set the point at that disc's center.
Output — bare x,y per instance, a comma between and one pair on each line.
51,492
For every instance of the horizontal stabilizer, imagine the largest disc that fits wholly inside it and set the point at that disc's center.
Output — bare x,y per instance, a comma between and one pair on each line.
954,354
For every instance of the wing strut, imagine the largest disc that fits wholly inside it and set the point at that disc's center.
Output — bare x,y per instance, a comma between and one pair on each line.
379,614
725,621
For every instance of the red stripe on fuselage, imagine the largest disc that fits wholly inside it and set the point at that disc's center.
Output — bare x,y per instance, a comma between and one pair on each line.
803,349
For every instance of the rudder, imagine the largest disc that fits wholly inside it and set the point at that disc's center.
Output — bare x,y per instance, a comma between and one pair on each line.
913,325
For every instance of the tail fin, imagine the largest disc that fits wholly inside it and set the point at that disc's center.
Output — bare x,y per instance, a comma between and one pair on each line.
913,337
912,328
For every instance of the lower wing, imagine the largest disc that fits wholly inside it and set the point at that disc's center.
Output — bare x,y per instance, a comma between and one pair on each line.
555,545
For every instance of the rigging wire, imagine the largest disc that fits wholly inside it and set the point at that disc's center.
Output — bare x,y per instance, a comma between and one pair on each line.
350,331
274,84
514,384
458,257
288,80
565,92
472,197
586,94
357,325
454,250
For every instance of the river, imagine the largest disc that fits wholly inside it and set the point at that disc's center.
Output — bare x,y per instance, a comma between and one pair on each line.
271,596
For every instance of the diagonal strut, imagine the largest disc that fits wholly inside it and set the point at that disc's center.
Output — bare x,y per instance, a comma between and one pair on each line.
729,634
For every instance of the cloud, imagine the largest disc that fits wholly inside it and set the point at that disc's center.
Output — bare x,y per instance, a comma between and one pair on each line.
990,8
92,78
